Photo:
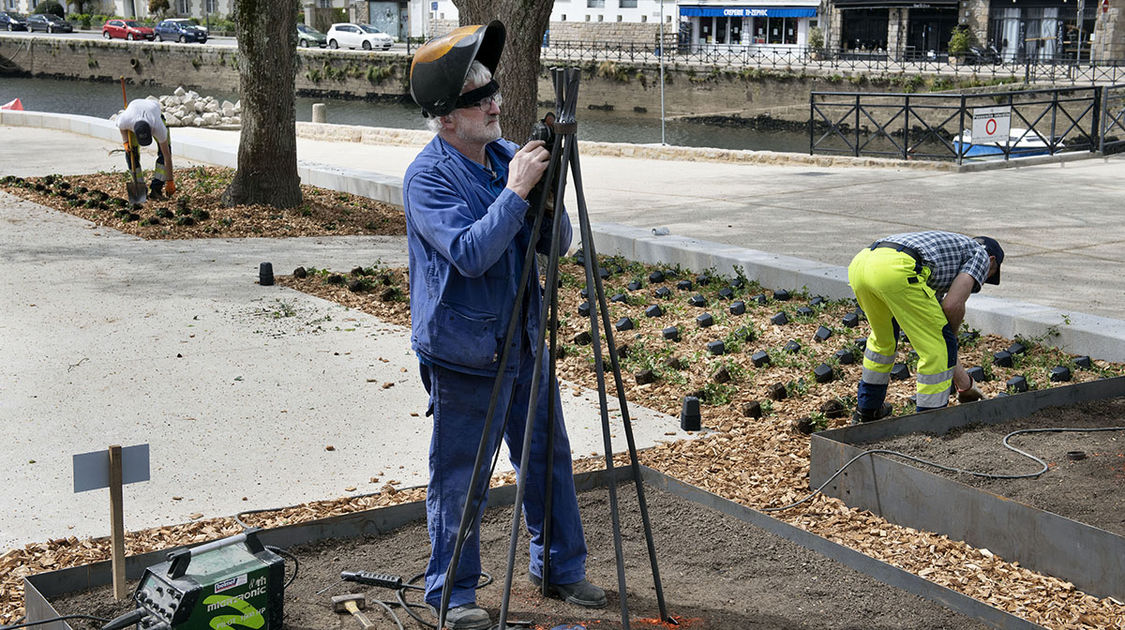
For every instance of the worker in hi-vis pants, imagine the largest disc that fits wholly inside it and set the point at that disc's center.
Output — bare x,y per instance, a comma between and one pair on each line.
919,282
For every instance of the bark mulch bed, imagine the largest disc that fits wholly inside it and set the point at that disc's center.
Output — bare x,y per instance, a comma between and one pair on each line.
1087,490
717,573
197,212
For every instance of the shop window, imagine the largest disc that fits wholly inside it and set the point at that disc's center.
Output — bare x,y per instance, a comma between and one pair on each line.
790,30
775,27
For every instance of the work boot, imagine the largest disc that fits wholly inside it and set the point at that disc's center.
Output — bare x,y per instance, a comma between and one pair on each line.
156,189
861,415
465,617
581,593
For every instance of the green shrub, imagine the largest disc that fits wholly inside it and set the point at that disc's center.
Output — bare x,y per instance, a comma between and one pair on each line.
50,6
816,38
960,41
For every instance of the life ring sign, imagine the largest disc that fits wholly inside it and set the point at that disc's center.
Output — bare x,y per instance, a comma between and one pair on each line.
991,124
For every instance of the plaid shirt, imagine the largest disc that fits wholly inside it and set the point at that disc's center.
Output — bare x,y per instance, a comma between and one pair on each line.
946,254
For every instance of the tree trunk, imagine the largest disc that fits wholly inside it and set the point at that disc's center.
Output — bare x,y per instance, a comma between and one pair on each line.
526,21
267,148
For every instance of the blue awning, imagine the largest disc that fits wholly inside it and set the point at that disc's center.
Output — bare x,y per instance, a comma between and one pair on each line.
748,11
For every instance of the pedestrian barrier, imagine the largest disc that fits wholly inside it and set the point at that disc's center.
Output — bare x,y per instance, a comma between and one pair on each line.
941,126
735,56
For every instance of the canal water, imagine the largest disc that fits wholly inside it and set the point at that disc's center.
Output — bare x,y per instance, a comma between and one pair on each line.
103,99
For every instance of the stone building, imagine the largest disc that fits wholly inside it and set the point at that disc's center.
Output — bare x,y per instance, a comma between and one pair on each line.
1018,30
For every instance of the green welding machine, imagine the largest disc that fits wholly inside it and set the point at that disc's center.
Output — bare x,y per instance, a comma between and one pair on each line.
229,584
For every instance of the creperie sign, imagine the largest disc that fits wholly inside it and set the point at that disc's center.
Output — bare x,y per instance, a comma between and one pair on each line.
745,12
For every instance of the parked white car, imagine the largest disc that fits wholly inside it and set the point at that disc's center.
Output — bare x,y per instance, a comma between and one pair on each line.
365,36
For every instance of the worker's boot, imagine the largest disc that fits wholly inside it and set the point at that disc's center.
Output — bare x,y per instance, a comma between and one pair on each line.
156,189
581,593
466,617
863,415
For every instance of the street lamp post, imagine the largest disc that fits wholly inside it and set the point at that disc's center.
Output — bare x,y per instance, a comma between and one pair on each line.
661,48
1078,49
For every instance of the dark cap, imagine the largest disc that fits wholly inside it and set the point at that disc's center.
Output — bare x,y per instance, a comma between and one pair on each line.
996,252
144,133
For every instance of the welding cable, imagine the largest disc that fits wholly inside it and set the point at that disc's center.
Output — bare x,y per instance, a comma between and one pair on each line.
400,594
52,620
925,462
285,554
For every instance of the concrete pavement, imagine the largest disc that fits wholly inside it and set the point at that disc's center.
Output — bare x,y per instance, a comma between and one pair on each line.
240,388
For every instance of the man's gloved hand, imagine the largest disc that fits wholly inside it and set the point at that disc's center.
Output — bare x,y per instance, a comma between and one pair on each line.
973,393
170,187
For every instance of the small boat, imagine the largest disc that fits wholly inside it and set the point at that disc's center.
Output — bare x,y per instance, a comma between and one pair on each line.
1021,143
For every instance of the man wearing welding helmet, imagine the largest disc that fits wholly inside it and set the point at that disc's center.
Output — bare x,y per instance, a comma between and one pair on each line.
467,225
140,123
919,282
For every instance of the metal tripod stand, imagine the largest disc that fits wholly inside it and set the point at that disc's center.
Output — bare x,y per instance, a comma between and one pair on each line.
564,157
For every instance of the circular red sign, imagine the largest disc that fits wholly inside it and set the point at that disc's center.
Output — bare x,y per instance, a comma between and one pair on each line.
990,126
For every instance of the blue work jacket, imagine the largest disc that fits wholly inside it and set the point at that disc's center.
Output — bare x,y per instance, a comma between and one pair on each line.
467,235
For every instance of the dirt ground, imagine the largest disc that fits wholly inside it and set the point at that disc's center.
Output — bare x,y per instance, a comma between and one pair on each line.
1087,490
196,210
718,573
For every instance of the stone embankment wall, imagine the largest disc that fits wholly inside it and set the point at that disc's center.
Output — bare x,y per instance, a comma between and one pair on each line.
631,89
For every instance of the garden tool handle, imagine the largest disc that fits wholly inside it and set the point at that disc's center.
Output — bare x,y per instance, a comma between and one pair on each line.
353,608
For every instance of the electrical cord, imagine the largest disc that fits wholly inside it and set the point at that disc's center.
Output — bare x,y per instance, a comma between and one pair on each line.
285,554
52,620
882,451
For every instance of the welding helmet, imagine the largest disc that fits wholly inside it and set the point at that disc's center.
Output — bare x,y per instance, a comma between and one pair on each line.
439,68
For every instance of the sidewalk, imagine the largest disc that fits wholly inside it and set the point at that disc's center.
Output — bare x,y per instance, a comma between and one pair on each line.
118,340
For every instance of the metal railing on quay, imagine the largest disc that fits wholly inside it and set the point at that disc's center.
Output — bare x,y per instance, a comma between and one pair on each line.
968,126
792,57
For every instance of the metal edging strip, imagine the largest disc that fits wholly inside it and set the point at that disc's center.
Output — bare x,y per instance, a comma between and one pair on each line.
902,493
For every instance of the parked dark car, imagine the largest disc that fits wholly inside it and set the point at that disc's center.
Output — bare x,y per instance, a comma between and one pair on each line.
180,30
126,29
12,21
48,22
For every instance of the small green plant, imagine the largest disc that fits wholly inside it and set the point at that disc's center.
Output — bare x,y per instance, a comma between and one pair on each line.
960,41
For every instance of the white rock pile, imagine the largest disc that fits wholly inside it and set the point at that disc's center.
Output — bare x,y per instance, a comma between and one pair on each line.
186,108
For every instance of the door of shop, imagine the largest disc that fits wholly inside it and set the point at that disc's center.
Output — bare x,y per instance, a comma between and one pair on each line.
929,30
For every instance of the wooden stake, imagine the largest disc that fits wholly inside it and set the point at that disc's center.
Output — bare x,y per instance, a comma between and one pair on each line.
117,516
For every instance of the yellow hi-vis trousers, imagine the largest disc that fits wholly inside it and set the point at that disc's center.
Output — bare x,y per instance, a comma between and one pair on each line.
891,287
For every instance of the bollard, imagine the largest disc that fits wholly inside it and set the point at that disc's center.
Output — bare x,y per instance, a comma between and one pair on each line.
265,274
690,419
319,113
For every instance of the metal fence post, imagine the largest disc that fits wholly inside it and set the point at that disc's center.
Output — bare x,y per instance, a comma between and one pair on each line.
857,97
906,128
1051,142
812,107
1101,97
961,133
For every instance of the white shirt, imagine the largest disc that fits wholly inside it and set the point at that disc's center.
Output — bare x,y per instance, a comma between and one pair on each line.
148,111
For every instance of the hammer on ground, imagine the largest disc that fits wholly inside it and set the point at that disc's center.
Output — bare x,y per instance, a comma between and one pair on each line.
352,603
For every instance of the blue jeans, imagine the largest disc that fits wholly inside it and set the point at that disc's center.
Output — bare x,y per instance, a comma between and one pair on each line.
459,403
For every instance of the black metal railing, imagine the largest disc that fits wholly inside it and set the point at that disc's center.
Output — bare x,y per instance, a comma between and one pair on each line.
1056,70
940,126
1113,120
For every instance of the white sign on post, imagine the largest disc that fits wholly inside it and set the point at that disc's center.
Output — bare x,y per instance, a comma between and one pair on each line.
112,469
992,124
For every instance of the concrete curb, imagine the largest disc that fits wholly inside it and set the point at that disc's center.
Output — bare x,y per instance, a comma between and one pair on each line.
1099,337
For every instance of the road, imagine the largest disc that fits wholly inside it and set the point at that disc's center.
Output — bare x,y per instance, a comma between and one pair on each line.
218,40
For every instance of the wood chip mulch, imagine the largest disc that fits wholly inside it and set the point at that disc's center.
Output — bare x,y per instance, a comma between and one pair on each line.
197,212
755,461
